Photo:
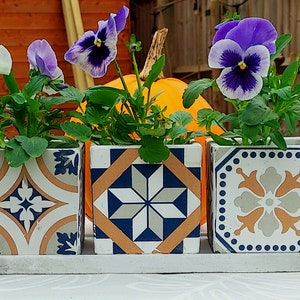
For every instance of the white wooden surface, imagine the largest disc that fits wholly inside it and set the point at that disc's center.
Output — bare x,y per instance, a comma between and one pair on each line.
205,262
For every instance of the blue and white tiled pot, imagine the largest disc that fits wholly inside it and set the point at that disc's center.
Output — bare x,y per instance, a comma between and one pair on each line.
41,209
146,208
254,198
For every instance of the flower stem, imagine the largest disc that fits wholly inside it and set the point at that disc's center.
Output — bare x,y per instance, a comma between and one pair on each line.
11,83
120,75
136,72
118,69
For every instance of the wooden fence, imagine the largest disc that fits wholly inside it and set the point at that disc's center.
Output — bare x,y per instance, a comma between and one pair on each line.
23,21
191,27
190,23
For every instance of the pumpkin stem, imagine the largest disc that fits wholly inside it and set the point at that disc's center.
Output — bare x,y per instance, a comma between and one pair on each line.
154,53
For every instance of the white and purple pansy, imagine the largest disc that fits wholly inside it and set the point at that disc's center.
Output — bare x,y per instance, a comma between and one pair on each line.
95,50
241,77
5,61
248,32
242,49
43,59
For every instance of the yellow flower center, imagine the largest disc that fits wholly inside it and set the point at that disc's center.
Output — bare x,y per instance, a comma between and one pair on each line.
242,65
97,42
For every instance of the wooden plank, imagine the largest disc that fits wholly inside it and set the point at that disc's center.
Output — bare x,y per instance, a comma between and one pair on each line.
23,21
74,28
103,7
31,21
192,69
36,6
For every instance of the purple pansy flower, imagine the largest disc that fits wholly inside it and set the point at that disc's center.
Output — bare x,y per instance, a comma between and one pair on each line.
94,51
42,58
242,49
249,32
241,77
222,29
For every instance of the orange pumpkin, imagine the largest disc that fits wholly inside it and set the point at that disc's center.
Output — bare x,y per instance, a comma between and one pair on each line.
170,90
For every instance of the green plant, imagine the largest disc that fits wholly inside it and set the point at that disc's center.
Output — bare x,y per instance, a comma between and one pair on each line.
31,116
264,102
114,115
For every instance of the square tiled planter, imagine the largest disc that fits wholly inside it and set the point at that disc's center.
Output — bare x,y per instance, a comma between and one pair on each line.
41,209
146,208
254,198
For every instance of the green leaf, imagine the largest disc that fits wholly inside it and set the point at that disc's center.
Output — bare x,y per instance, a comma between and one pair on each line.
72,94
106,96
155,71
285,93
11,83
68,95
181,117
250,132
289,74
153,150
194,89
257,112
221,141
15,154
177,131
61,141
78,131
35,84
290,121
159,131
34,146
208,117
281,42
96,115
18,98
278,139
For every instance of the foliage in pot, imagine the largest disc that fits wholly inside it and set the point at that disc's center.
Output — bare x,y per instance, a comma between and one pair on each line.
266,104
253,201
41,208
161,94
114,115
31,116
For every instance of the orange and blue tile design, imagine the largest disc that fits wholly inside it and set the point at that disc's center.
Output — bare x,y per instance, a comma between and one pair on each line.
255,203
146,208
41,209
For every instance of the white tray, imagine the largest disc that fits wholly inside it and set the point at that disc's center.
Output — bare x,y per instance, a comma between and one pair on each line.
204,262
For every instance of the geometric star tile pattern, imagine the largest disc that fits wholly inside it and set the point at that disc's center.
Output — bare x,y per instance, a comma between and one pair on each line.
146,203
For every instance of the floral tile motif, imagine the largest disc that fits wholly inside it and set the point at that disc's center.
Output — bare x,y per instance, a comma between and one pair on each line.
26,205
256,203
145,204
41,204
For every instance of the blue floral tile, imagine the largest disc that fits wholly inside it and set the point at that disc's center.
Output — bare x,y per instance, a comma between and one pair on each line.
41,209
138,207
255,199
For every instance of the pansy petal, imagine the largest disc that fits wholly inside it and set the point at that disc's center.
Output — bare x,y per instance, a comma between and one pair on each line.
31,51
255,31
234,86
5,61
225,53
120,18
257,59
223,29
48,55
42,58
79,50
107,31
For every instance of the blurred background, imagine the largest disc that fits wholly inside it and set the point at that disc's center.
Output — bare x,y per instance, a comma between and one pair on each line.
190,23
